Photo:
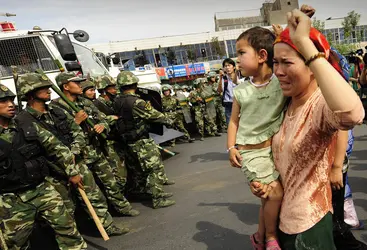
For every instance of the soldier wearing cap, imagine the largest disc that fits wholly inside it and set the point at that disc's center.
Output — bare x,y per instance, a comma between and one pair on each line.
35,89
221,118
92,152
24,193
197,106
89,89
135,115
106,87
172,109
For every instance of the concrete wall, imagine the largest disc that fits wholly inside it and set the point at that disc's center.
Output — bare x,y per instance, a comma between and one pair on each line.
279,16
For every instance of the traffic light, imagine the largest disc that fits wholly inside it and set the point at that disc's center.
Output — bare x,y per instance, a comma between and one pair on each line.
203,52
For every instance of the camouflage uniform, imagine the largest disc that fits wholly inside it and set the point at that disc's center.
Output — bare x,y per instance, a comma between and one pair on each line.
172,110
207,94
197,106
221,118
112,148
93,156
68,128
21,205
141,151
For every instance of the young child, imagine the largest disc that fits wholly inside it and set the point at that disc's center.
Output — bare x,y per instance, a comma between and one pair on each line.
257,114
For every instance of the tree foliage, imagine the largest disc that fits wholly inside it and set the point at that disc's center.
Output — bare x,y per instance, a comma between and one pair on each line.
215,44
191,55
350,22
171,57
318,24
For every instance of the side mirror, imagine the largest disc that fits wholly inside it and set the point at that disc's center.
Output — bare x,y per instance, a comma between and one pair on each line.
65,47
81,36
73,66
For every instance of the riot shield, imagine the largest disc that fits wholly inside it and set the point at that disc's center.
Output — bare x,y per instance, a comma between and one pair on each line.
185,107
210,109
168,134
155,100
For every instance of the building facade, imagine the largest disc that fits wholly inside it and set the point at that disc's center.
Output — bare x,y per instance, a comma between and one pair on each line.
272,11
215,46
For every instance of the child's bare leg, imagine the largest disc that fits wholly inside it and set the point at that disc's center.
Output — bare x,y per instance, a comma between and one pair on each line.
261,228
271,210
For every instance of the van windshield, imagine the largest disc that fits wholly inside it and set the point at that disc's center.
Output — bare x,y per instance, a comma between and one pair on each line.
89,61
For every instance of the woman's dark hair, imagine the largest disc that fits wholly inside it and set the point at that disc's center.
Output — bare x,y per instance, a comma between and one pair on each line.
365,59
260,38
229,61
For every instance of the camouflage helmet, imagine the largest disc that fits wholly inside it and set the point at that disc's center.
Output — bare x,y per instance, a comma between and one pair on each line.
177,87
65,77
125,78
196,82
5,92
166,87
185,87
32,81
87,85
105,81
211,74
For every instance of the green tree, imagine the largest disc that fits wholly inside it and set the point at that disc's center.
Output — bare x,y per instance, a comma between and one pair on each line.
191,56
345,48
318,24
215,44
349,23
171,56
329,37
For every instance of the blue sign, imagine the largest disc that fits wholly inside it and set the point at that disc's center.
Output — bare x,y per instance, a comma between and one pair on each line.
196,69
176,71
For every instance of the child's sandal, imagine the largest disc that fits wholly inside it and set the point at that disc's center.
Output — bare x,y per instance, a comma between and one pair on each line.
272,245
256,244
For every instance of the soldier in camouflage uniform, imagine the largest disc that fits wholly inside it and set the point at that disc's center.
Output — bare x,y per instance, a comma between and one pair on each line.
221,118
106,87
207,94
141,151
172,110
197,106
89,89
92,153
35,88
24,193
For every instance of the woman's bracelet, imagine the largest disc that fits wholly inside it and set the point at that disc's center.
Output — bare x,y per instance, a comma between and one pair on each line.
314,57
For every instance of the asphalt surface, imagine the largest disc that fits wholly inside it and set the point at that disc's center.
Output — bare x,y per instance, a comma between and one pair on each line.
215,209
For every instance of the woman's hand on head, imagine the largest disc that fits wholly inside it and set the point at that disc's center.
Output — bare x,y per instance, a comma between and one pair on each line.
308,10
277,29
299,25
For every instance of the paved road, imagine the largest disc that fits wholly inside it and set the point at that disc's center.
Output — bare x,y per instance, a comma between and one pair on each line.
215,209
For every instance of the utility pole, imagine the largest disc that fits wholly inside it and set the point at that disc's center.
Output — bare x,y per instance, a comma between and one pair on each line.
7,14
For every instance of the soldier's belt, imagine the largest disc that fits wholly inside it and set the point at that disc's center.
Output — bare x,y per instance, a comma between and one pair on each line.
209,99
169,111
183,103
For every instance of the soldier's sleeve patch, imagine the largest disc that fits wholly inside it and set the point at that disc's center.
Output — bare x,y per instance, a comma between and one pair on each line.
148,106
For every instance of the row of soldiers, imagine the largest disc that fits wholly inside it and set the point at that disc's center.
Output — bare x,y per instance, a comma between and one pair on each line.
48,151
203,101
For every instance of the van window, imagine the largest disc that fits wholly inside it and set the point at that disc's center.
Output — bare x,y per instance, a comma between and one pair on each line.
27,53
